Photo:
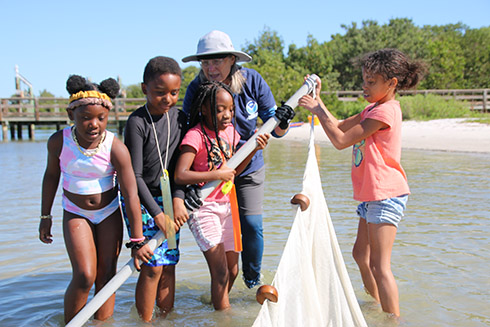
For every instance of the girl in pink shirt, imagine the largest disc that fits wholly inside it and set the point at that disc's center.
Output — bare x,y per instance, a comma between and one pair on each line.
209,143
378,178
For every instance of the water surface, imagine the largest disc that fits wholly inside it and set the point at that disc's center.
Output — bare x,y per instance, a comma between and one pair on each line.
440,257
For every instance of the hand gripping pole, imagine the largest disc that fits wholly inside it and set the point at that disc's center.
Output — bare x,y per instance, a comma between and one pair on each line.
125,272
308,87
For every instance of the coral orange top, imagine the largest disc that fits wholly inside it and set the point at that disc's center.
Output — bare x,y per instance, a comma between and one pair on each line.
376,170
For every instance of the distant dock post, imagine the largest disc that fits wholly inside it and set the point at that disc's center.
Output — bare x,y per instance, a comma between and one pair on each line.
5,131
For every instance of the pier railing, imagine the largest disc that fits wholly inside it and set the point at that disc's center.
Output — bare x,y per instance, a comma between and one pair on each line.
476,99
46,110
18,112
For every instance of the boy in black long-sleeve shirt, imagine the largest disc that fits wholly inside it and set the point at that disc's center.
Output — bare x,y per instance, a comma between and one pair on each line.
157,121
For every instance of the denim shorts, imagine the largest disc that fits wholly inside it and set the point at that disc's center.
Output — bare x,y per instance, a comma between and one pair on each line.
388,211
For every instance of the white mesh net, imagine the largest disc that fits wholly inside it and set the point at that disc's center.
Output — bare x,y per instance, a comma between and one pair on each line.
312,281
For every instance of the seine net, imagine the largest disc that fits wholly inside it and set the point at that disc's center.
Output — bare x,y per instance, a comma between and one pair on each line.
313,285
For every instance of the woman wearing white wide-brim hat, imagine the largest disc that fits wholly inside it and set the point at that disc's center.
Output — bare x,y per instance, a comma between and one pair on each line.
253,99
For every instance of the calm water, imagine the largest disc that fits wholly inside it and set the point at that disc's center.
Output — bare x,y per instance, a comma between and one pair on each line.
440,258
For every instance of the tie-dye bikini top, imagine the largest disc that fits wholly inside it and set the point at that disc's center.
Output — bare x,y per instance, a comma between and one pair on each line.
87,173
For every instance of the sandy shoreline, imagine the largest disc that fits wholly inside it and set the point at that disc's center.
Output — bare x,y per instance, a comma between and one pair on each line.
455,134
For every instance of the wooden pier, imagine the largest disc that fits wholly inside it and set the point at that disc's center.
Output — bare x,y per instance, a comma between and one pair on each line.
15,113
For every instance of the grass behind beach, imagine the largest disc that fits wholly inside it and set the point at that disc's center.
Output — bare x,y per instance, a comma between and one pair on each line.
482,120
417,107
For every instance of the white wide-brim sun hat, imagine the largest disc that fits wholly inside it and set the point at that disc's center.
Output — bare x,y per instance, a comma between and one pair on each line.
216,43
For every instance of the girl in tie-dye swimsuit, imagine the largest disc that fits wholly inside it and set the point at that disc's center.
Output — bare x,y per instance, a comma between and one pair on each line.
89,157
87,175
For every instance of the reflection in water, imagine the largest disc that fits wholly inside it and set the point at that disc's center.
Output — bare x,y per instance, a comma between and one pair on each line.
439,258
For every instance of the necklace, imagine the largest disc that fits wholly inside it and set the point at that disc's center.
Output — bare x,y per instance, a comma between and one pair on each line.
165,185
164,167
90,152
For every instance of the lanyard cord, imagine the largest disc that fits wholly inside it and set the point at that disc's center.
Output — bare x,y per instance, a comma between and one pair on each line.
156,140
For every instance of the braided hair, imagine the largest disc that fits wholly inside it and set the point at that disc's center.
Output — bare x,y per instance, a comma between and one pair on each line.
206,95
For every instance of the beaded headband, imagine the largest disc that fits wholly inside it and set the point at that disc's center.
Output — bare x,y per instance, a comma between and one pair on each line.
84,98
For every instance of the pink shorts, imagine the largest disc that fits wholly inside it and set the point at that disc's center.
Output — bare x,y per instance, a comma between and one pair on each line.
211,225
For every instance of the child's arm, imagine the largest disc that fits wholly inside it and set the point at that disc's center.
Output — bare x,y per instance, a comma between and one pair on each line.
262,141
180,212
184,175
344,133
318,108
133,135
181,215
50,184
121,161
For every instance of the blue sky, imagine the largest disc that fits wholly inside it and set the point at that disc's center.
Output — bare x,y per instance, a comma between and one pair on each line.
49,40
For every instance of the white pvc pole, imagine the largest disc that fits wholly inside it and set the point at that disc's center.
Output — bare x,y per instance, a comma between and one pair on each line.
307,88
125,272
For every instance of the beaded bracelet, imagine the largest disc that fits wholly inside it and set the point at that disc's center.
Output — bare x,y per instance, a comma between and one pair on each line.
46,217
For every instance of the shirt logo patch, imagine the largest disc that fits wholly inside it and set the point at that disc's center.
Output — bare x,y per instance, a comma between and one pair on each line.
252,109
358,153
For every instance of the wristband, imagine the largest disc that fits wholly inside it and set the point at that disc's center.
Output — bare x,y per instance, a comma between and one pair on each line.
46,217
137,240
137,245
284,124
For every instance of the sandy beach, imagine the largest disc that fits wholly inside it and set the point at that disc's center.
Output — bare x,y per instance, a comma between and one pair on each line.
456,134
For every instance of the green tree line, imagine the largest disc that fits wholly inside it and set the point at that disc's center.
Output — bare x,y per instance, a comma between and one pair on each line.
456,57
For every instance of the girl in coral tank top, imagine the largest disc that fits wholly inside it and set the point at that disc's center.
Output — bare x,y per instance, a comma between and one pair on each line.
378,179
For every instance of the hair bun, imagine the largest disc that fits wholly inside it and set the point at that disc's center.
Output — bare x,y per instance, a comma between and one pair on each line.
110,87
76,83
